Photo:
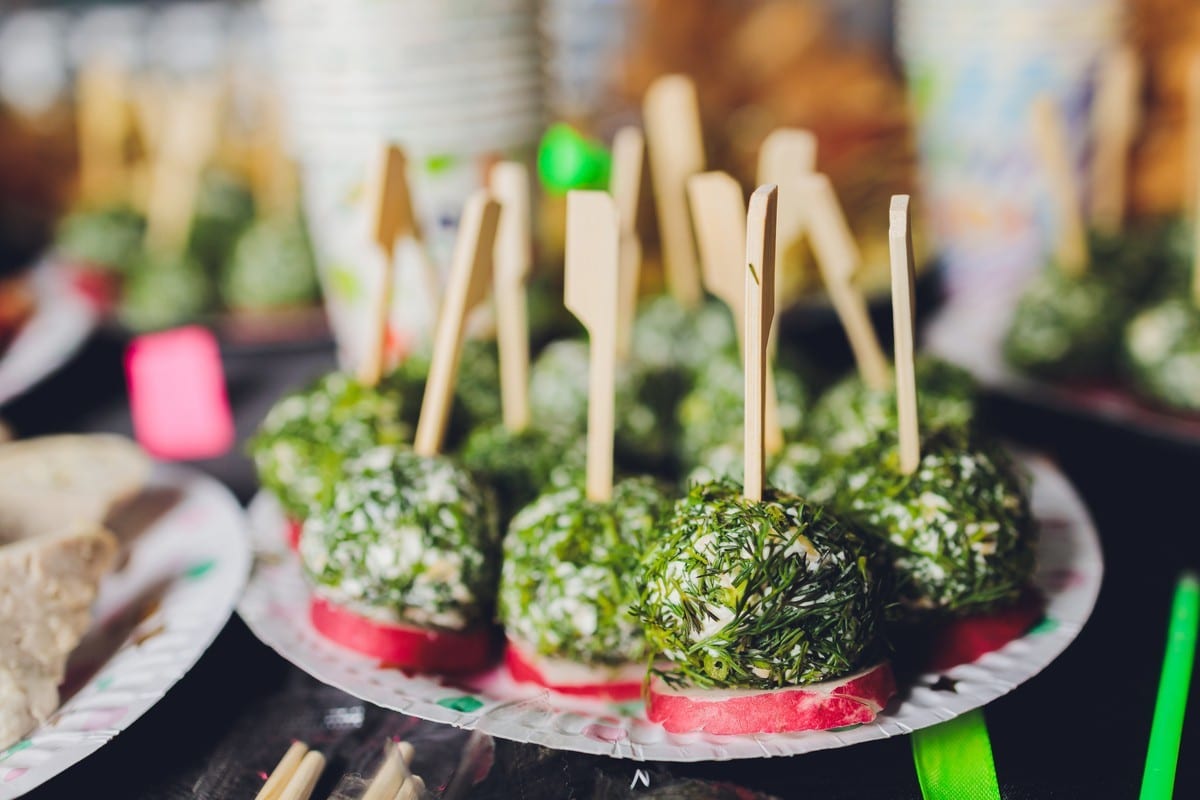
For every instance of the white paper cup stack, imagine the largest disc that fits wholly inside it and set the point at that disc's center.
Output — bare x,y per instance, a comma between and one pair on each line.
974,70
457,83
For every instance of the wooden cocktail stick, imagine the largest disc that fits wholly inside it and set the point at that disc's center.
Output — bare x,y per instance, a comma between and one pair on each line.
509,182
470,280
626,184
305,778
719,213
1192,201
389,213
283,772
591,291
786,155
413,789
390,776
672,119
1050,138
185,146
903,320
102,125
760,309
1114,122
838,259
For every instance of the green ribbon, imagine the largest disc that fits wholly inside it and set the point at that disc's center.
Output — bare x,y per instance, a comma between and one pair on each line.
954,760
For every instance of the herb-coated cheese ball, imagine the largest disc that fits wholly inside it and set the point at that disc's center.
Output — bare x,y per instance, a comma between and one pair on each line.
850,415
959,530
271,268
1162,353
108,238
307,436
712,413
224,208
407,539
160,291
570,572
518,466
1065,326
758,595
667,335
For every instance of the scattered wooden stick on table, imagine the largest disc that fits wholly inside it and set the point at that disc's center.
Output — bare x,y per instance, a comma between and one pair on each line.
283,772
760,309
305,778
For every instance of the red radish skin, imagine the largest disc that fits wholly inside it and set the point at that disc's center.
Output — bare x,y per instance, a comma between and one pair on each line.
852,700
404,646
294,526
524,668
965,640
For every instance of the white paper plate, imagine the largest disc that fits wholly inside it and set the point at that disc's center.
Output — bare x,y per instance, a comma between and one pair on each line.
153,620
60,325
275,606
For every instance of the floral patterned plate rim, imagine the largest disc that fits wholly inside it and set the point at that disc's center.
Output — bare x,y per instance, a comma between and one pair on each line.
1070,568
154,617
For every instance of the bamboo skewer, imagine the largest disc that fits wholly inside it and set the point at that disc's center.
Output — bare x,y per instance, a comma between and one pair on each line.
470,279
513,261
760,309
1114,123
305,778
626,184
838,260
676,151
591,291
1050,138
390,212
283,772
786,155
392,773
720,213
903,321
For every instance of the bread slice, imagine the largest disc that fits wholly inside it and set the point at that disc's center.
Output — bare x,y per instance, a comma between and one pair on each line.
47,586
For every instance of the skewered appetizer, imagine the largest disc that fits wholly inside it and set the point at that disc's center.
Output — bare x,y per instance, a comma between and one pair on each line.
1161,353
774,604
404,560
271,267
518,465
850,415
958,530
567,584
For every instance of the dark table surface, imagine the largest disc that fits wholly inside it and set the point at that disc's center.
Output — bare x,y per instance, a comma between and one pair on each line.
1079,729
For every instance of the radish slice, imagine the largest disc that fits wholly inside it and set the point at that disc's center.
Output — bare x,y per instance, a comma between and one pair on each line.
619,683
294,526
852,700
405,646
962,641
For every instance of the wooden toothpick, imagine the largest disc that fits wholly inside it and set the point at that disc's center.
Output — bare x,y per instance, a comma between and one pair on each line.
591,292
1115,113
388,215
838,259
1050,138
760,310
509,182
719,213
470,280
283,772
626,184
903,320
672,119
786,155
304,780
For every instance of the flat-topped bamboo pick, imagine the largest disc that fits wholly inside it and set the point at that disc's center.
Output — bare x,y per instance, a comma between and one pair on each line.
786,155
591,291
838,259
1115,113
102,126
625,185
389,215
283,772
1050,139
759,279
903,321
720,213
672,120
509,182
470,280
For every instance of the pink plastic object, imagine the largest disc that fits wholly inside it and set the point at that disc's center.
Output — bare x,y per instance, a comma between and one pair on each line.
177,394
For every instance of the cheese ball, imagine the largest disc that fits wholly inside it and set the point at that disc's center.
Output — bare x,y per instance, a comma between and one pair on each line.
271,268
518,466
306,437
1066,327
667,335
758,595
406,539
849,415
959,530
107,238
571,569
1162,353
224,208
712,413
161,291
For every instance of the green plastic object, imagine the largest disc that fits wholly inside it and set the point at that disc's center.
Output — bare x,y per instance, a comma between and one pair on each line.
568,160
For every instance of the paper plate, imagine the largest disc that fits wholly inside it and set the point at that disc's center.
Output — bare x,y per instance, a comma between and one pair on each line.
969,331
60,325
275,606
153,619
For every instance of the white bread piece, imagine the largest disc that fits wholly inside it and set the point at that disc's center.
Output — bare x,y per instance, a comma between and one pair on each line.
57,483
47,586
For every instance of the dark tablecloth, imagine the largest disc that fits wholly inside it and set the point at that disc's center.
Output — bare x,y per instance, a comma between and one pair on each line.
1077,730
